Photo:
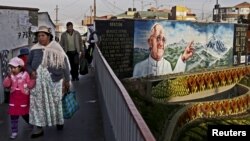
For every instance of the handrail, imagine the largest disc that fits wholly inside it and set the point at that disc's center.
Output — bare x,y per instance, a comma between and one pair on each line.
112,88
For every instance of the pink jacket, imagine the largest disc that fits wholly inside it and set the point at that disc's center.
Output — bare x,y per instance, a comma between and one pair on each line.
20,81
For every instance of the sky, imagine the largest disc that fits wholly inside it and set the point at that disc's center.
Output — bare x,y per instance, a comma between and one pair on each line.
76,10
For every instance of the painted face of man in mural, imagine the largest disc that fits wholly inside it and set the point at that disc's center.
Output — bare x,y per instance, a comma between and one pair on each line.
157,42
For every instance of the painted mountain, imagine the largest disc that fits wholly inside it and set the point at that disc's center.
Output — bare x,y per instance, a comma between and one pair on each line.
212,54
216,47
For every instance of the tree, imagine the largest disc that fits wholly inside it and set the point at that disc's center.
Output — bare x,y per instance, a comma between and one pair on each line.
243,20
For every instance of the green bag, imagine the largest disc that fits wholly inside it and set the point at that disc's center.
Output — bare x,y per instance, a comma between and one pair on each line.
69,104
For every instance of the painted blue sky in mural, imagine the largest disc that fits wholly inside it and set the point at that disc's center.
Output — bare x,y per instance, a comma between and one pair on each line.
185,30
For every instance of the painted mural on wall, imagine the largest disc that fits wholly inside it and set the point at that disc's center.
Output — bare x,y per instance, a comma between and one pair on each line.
181,46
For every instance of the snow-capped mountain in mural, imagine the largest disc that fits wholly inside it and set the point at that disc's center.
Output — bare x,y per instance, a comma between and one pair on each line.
216,47
206,55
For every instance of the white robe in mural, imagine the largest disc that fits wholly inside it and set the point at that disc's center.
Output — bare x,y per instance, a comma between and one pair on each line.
151,67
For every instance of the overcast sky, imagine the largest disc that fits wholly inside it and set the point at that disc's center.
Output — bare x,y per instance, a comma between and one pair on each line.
75,10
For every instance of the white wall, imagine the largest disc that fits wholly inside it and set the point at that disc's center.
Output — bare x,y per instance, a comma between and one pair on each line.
14,25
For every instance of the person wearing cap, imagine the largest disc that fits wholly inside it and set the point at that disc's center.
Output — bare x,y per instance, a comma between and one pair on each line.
48,63
23,54
92,40
19,83
71,41
156,64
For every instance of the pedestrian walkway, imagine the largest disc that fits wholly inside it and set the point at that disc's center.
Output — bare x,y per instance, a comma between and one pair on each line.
86,125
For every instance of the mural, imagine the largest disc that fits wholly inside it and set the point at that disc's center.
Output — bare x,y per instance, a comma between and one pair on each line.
210,45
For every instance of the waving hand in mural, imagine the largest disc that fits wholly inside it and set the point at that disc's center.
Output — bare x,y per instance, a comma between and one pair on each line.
188,52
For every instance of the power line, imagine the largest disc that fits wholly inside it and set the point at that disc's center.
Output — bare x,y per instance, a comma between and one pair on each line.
114,6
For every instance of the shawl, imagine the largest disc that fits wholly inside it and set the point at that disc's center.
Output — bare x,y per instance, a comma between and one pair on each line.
53,55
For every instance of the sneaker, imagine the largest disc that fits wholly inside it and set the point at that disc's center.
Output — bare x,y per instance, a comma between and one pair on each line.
13,135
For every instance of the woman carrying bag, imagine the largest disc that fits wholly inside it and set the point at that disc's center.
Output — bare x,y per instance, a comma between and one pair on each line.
49,65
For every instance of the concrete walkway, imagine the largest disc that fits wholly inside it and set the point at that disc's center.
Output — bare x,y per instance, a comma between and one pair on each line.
86,125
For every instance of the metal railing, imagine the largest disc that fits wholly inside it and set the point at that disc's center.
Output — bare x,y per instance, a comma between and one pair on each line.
125,122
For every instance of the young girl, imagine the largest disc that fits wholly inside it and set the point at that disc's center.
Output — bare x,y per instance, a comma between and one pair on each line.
19,83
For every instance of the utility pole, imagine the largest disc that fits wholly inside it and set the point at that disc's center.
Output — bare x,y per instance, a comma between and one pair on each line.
94,9
142,7
57,14
90,14
57,25
156,4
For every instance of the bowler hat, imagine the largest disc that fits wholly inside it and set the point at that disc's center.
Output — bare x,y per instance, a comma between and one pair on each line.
44,29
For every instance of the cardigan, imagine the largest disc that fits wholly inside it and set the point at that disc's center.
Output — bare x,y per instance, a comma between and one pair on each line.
35,60
21,82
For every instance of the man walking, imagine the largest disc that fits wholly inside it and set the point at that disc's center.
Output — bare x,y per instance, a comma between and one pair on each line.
71,42
92,40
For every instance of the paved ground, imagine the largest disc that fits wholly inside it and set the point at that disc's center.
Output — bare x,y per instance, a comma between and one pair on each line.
86,125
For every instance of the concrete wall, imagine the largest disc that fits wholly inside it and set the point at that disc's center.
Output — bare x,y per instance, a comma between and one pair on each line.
16,26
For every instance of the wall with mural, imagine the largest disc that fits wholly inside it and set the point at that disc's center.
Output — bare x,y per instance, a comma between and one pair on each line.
212,43
125,45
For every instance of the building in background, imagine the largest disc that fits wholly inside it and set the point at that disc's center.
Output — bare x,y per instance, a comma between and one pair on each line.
88,20
176,13
182,13
231,14
151,13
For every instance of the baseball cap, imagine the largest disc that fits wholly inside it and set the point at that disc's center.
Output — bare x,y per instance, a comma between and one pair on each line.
16,62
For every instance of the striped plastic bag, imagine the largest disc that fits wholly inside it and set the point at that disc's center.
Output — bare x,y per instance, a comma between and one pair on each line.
69,104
